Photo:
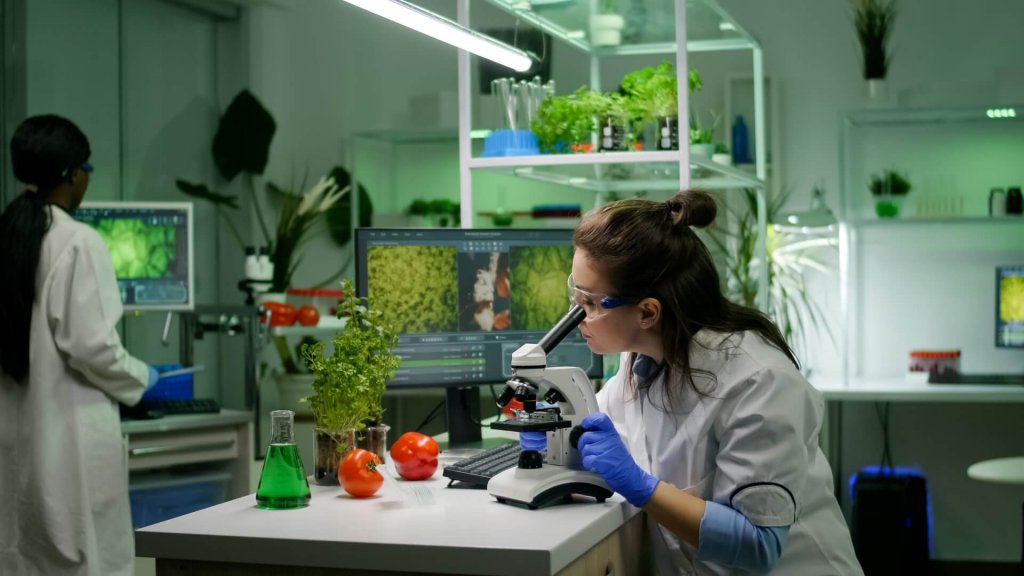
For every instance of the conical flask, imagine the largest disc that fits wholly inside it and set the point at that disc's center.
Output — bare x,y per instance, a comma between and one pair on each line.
283,481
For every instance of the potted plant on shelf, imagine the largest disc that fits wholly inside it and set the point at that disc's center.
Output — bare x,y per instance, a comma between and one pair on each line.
889,189
702,139
606,25
873,20
565,123
721,154
349,384
618,122
654,94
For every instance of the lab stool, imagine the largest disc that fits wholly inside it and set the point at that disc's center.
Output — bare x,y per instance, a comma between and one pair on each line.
1002,471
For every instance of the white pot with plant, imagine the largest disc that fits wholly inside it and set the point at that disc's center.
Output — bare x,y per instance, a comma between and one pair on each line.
606,25
721,154
349,383
653,93
873,20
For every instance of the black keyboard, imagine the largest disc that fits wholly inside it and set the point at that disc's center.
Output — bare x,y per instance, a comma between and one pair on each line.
1007,379
479,468
149,409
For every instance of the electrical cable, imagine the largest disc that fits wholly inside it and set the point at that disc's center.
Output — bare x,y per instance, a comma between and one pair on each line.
883,419
431,416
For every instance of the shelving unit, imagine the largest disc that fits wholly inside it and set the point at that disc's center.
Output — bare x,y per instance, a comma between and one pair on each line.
921,280
670,27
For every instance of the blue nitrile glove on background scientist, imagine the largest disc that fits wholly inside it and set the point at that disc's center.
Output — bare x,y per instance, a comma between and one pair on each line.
708,425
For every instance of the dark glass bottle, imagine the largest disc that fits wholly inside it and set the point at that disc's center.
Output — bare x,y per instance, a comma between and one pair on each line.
1013,200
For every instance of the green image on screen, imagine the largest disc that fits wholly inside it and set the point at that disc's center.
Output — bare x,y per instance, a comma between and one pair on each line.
138,250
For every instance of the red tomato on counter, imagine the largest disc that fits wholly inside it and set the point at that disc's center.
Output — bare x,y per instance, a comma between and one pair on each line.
281,314
415,456
358,473
308,315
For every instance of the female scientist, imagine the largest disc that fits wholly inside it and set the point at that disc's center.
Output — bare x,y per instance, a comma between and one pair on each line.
709,426
64,481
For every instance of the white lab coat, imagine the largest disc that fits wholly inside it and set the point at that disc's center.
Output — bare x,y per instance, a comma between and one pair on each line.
749,446
63,468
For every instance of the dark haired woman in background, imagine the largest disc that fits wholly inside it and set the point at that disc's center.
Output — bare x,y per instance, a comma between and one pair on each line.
709,425
64,505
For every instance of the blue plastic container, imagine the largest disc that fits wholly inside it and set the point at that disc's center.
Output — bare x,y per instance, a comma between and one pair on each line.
174,388
511,143
159,501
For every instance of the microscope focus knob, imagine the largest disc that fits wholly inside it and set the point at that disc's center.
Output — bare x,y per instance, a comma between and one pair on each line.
530,459
574,436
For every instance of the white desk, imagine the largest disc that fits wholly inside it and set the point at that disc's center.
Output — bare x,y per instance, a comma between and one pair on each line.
466,531
893,389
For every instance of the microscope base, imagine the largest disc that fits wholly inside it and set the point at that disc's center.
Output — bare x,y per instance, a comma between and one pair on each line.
546,485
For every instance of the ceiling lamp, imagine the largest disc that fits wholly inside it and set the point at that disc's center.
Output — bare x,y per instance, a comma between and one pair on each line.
443,29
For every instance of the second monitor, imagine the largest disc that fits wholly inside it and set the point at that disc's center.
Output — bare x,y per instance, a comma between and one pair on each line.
463,300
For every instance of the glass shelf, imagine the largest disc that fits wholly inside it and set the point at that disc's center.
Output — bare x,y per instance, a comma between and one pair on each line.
649,25
619,171
943,221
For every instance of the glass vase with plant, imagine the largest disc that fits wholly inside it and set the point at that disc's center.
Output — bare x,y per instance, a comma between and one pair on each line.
565,123
790,256
349,382
654,94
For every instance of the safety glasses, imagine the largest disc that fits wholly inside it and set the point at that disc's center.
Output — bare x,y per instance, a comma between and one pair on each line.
595,305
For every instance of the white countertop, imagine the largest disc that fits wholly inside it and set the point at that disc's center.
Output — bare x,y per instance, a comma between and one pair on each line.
465,531
899,389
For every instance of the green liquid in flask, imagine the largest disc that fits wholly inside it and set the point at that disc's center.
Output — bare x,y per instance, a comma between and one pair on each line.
283,481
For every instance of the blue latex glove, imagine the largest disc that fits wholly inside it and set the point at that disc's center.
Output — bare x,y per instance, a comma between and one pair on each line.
153,377
603,452
533,441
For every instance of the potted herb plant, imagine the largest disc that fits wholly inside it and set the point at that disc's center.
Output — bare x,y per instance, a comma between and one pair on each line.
618,121
565,122
702,139
349,383
889,189
654,94
873,20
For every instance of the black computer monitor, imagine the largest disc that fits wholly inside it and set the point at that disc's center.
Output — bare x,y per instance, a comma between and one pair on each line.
1010,306
463,300
151,248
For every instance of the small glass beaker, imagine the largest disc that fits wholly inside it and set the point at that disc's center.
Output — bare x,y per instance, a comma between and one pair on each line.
283,482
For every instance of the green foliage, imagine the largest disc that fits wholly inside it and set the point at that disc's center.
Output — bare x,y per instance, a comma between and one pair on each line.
565,120
874,20
702,135
416,287
889,183
654,92
349,383
789,256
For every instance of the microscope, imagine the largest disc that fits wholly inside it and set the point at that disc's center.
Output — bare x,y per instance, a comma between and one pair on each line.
541,480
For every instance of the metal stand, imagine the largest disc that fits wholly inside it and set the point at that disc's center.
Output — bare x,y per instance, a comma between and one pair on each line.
230,321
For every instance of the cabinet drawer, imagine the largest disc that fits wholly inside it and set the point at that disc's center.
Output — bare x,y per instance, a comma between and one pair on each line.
162,449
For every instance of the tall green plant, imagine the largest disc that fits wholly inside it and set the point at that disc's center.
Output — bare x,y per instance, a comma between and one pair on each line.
349,383
790,305
874,20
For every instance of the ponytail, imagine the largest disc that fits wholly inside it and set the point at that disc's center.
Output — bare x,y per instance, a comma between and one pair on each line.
22,227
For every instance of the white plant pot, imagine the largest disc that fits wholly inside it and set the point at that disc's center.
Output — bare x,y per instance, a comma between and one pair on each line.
722,158
606,29
703,150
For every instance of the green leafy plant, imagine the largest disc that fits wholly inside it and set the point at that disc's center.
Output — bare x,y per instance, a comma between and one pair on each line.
789,256
873,20
889,183
654,91
349,382
565,121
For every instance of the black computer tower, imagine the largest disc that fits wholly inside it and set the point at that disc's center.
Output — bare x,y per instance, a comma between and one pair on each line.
890,525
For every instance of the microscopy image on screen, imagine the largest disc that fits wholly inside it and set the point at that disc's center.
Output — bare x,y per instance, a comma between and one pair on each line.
484,291
139,251
1011,299
537,281
415,287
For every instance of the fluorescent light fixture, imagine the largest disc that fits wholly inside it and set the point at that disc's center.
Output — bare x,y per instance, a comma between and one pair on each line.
1001,113
443,29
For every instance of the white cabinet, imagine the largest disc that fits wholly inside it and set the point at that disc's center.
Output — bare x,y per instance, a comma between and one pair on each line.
926,279
661,27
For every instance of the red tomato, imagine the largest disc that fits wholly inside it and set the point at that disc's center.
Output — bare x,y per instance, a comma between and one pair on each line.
358,473
415,456
281,314
308,315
